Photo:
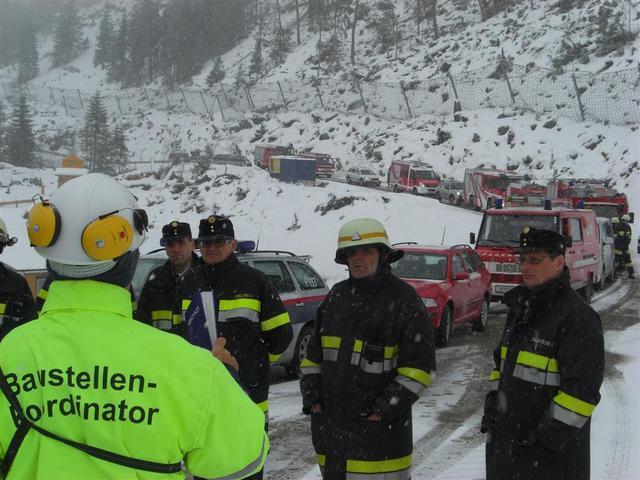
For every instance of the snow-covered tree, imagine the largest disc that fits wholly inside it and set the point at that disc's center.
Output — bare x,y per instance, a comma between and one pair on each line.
27,53
144,39
67,36
106,39
119,153
281,45
96,135
21,143
384,24
255,66
216,74
119,62
611,32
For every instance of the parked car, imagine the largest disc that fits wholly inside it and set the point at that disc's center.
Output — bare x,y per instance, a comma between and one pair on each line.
605,229
451,191
454,284
300,287
362,176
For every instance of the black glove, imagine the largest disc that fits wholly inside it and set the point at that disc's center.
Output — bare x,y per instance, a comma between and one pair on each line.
490,411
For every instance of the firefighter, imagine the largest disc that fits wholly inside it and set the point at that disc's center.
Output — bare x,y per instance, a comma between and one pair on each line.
623,239
163,288
115,397
549,366
250,315
618,246
16,302
370,358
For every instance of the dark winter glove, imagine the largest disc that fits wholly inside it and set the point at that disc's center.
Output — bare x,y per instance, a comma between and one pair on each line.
531,447
490,411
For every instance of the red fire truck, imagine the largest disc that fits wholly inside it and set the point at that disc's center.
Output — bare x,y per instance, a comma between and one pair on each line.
262,153
499,235
411,176
483,186
325,164
592,194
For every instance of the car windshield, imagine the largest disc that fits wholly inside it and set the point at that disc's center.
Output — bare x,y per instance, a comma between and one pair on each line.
606,211
424,266
366,171
501,182
424,174
504,230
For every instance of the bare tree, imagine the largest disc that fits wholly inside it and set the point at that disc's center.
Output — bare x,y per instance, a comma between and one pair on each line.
298,22
353,32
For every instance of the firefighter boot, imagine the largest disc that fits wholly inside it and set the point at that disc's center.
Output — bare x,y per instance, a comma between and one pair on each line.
631,274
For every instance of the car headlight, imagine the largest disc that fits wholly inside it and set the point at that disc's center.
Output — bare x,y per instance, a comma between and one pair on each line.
429,302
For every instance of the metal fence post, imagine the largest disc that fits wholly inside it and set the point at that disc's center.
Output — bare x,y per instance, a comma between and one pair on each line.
166,95
80,98
506,78
284,100
185,101
220,107
205,105
249,99
317,85
580,106
224,93
406,100
146,94
364,104
453,85
118,102
64,104
53,97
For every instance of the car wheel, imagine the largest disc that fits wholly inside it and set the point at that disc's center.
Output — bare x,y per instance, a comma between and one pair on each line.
587,290
414,191
444,329
452,200
395,188
438,197
603,281
348,179
293,369
480,323
362,182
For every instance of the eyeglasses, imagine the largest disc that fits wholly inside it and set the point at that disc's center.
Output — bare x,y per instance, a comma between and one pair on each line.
534,260
216,243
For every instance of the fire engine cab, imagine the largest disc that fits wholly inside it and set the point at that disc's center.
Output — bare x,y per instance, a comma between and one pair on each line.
411,176
499,236
592,194
483,186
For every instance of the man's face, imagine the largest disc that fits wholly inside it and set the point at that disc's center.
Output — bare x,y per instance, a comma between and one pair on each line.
217,251
179,252
362,261
539,267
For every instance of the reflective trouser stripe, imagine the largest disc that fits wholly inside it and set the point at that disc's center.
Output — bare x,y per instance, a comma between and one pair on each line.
162,324
3,308
533,375
397,475
394,469
273,358
161,315
307,367
247,313
274,322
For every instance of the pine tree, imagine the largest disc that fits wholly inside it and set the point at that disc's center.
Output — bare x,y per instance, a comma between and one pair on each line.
67,37
611,31
118,67
119,152
255,66
21,143
240,79
144,40
95,135
384,24
106,39
216,74
281,45
27,54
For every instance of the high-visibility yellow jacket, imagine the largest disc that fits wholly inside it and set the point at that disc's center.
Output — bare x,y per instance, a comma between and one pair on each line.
86,371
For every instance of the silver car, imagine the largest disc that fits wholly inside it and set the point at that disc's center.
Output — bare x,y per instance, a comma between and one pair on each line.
300,287
450,191
362,176
605,229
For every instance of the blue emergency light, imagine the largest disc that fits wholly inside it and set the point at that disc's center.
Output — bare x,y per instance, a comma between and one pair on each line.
498,203
246,246
547,204
581,204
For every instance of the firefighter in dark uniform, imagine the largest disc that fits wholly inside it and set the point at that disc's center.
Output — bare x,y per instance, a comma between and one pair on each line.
250,315
622,242
163,289
549,366
370,358
16,302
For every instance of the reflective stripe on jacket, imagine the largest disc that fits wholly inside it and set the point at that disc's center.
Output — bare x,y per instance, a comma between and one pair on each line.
87,371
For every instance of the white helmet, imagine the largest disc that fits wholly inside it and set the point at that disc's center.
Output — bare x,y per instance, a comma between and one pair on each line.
361,232
625,218
615,220
88,224
5,239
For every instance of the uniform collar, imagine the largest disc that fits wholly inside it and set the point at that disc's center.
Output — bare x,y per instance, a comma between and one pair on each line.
88,295
224,266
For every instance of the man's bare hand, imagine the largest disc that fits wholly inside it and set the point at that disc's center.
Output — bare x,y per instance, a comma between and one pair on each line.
223,354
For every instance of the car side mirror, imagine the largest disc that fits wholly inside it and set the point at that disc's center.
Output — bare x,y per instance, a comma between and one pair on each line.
472,238
461,276
631,217
568,241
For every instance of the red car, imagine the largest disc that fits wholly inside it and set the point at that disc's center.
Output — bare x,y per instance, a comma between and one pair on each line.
453,282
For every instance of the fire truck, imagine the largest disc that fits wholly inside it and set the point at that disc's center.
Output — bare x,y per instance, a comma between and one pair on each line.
483,186
411,176
499,236
262,153
325,165
592,194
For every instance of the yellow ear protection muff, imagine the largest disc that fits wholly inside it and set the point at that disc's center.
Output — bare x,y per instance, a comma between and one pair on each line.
110,235
43,224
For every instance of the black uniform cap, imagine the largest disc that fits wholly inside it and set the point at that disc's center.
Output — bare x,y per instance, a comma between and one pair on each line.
175,231
532,239
215,227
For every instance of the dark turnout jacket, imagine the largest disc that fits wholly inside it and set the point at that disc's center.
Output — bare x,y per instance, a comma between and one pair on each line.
549,368
250,316
159,296
372,351
16,301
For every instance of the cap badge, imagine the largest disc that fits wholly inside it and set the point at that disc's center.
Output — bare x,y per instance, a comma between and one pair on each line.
355,237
